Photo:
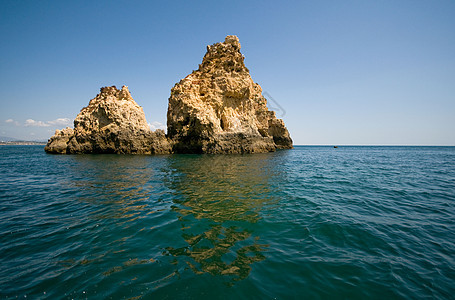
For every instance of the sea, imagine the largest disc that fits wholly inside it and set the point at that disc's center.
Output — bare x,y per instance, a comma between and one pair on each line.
314,222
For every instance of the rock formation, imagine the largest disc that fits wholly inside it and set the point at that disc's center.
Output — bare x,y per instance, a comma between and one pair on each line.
216,109
219,109
112,123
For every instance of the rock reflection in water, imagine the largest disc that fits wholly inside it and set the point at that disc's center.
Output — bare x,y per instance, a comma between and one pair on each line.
215,251
119,196
220,200
118,185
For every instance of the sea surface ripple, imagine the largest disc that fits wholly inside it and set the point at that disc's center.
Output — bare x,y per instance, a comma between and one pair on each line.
312,222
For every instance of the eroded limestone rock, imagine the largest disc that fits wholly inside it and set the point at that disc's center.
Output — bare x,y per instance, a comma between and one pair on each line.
112,123
219,109
216,109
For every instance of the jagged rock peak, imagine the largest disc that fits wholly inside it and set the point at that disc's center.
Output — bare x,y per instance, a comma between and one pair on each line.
225,54
122,94
111,107
232,40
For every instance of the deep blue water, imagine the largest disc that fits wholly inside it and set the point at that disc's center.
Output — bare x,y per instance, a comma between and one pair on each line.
312,222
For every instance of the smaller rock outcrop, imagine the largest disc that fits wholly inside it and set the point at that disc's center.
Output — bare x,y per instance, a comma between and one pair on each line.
219,109
112,123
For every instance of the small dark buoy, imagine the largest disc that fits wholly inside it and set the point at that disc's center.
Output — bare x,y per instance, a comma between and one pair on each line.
335,146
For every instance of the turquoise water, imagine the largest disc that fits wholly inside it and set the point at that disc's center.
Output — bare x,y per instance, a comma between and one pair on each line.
312,222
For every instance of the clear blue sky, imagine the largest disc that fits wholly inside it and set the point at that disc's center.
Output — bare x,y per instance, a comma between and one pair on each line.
345,72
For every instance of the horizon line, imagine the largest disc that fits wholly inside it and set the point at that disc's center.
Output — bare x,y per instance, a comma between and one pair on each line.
369,145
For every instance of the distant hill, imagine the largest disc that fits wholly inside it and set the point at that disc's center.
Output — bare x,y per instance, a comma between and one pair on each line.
7,139
22,143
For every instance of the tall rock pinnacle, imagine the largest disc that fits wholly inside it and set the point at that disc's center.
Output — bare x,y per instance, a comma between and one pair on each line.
219,109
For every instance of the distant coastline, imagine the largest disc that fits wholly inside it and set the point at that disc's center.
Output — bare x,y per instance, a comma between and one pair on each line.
23,143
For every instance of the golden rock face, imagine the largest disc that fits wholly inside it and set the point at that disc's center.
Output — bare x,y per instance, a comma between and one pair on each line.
219,109
112,123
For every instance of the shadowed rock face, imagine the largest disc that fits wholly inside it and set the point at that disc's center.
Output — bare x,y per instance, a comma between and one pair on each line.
219,109
112,123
